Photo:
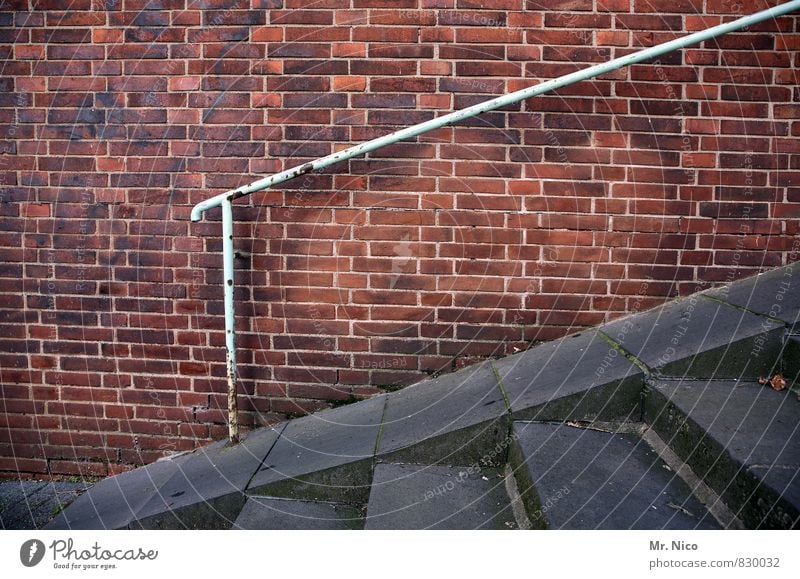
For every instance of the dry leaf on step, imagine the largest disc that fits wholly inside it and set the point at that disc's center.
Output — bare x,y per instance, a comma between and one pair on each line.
778,382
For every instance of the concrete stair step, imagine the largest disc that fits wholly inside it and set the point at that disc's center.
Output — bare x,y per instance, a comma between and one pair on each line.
202,489
579,377
454,419
741,438
775,293
409,496
579,478
269,513
207,491
326,456
701,337
114,502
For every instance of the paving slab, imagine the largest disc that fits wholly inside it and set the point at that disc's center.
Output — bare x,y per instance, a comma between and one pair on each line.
754,423
775,293
324,456
579,377
265,513
113,502
576,478
28,504
207,488
732,434
702,338
407,496
458,418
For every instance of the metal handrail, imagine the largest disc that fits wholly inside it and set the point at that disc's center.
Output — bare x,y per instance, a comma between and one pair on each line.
225,199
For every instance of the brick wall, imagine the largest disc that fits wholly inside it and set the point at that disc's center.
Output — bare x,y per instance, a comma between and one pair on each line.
474,241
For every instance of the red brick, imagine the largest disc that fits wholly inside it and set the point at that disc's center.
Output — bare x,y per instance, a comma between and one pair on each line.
83,468
184,83
36,210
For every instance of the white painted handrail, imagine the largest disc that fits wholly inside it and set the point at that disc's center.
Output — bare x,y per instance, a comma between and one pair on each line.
225,199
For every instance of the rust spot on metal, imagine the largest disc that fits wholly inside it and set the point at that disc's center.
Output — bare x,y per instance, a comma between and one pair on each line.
233,410
307,168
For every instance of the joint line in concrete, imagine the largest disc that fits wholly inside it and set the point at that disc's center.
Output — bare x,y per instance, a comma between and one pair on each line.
263,460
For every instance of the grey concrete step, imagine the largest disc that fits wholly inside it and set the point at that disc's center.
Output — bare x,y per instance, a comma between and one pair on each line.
580,377
741,438
324,456
577,478
267,513
114,502
775,293
702,338
408,496
199,489
207,491
458,418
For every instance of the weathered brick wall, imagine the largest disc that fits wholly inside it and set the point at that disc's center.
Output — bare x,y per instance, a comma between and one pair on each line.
523,225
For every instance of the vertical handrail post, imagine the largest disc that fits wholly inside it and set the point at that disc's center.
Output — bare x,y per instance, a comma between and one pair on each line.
230,320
